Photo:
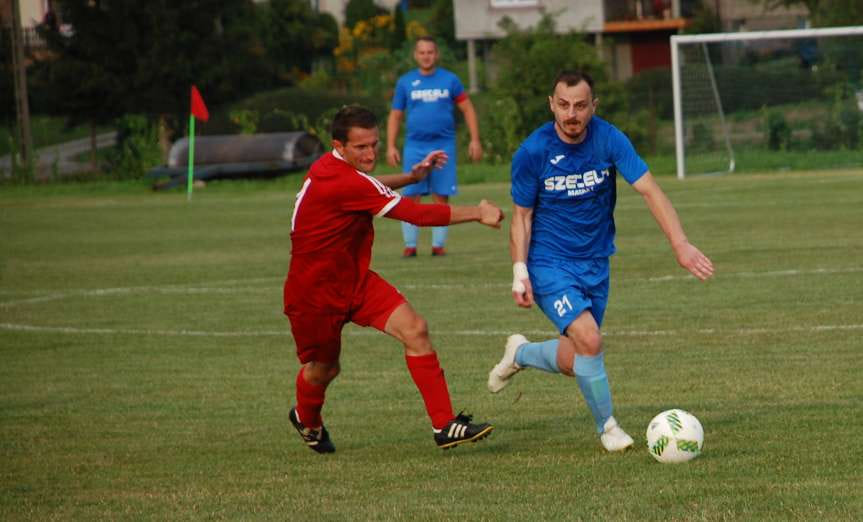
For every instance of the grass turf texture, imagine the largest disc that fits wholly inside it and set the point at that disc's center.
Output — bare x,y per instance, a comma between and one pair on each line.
146,370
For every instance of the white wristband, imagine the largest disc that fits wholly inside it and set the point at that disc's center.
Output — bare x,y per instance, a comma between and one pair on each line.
519,274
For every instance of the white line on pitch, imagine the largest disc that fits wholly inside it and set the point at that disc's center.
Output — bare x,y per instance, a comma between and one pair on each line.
183,289
167,290
463,333
657,279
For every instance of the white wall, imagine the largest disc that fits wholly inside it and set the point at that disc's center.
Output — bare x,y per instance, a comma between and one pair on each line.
478,19
32,12
337,7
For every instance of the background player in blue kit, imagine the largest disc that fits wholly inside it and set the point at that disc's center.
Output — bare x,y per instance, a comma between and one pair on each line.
562,234
428,94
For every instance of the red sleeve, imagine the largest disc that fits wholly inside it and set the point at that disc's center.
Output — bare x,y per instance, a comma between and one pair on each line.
419,214
364,193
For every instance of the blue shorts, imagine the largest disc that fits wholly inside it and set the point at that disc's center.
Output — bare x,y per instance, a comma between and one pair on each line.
439,181
564,289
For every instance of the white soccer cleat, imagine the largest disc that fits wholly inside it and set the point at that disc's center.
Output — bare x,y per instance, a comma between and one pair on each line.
613,437
503,371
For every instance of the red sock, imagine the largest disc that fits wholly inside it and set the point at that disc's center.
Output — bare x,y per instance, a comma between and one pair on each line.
429,379
310,401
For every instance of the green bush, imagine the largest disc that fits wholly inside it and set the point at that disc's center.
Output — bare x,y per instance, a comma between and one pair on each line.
246,119
651,90
843,128
501,127
750,88
860,133
846,115
823,135
357,10
137,149
272,106
530,59
777,130
635,124
702,137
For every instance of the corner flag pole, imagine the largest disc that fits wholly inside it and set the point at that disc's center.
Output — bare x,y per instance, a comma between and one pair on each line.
197,110
191,177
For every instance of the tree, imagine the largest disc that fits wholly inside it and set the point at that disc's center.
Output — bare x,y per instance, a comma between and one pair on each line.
442,23
357,10
7,100
703,20
529,61
399,29
131,57
295,35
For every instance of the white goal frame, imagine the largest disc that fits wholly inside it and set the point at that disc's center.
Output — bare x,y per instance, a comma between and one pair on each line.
706,38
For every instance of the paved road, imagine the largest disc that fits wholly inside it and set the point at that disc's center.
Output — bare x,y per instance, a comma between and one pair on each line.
61,155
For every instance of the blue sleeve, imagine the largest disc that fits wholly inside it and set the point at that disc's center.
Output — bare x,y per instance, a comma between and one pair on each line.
525,181
400,96
624,157
457,88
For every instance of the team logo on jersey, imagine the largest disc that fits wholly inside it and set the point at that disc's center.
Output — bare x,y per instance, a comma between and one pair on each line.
555,160
429,95
576,184
415,83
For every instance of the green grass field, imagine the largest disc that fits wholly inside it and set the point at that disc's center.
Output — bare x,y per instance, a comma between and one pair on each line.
146,369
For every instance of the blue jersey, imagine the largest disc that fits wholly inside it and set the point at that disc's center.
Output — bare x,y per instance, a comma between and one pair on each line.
429,102
572,190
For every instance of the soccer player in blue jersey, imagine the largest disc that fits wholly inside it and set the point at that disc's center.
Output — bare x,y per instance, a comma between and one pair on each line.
561,237
428,94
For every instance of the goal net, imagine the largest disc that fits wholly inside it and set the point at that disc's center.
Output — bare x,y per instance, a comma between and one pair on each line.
768,100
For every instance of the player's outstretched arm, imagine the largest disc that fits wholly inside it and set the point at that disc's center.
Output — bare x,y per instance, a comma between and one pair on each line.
434,160
438,214
688,256
393,122
486,213
519,241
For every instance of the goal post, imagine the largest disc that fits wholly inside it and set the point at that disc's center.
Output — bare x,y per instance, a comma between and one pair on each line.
745,90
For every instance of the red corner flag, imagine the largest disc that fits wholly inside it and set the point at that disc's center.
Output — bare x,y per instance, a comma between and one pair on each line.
199,110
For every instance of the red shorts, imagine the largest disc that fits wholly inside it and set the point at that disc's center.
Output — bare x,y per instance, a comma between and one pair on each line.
318,334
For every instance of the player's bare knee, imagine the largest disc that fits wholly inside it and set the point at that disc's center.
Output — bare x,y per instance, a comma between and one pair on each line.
416,337
587,341
416,330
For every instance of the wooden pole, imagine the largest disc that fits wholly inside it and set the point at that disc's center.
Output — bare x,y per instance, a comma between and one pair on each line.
22,104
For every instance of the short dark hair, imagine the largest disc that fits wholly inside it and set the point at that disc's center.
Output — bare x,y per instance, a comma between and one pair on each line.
351,116
571,78
426,38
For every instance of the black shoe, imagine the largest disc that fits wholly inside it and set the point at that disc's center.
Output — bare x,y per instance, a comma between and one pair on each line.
318,440
460,430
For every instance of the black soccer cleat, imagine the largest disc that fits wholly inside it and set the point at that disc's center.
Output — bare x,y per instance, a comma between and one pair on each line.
460,430
318,440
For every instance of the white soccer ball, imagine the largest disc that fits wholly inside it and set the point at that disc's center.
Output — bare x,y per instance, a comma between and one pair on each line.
675,436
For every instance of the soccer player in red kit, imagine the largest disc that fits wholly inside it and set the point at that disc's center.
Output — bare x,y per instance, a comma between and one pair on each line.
329,282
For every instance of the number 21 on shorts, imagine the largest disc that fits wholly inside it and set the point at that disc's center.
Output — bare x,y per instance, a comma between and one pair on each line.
563,306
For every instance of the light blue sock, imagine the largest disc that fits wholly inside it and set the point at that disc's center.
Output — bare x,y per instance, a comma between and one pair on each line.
593,381
410,234
542,356
439,236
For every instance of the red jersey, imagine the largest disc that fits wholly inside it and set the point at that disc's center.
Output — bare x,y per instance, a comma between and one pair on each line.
332,234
